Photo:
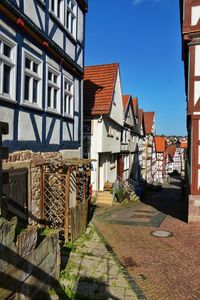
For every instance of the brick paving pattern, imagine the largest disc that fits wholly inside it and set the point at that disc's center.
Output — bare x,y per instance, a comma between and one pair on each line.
163,268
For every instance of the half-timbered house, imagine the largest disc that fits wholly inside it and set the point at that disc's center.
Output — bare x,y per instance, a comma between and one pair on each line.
41,67
160,157
169,153
141,144
103,122
129,143
149,155
190,20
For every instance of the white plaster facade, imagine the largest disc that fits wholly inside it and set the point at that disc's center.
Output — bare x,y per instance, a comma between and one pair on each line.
104,141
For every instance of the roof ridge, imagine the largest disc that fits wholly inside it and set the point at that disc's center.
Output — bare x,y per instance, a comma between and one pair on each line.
99,65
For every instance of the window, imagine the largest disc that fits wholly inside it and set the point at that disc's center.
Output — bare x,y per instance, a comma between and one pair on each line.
56,6
87,127
68,109
110,130
7,68
71,17
112,161
53,90
32,81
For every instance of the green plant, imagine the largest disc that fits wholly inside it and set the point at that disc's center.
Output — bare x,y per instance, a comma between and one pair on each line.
120,194
46,231
70,246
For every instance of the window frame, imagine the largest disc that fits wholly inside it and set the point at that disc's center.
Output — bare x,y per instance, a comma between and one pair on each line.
69,94
39,77
60,16
54,86
71,29
12,63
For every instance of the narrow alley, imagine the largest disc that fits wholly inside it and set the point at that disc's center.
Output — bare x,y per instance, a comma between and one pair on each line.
163,267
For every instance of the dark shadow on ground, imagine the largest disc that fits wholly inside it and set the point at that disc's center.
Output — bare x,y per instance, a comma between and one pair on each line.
90,289
169,200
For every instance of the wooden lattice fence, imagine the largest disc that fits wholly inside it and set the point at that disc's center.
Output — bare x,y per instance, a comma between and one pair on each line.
54,200
66,197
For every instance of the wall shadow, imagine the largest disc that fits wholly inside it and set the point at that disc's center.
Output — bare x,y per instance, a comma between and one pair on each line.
90,89
14,285
169,200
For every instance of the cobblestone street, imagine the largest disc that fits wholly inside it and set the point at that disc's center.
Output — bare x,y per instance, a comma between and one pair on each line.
163,268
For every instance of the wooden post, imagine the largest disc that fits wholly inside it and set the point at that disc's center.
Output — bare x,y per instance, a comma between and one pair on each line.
84,186
67,187
3,155
77,187
42,187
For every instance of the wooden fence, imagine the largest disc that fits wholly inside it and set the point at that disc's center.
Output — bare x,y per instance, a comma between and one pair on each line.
3,155
66,196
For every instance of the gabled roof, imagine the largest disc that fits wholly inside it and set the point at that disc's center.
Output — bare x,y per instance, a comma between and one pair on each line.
148,121
160,143
99,85
140,115
170,150
135,104
125,99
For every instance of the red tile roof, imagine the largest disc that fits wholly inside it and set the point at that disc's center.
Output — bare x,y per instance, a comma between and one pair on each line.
99,84
135,104
183,145
125,100
160,143
140,114
148,121
170,150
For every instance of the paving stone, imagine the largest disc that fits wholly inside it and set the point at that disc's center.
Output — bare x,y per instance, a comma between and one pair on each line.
116,292
97,274
162,268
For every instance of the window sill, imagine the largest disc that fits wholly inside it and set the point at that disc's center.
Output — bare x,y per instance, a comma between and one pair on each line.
30,105
58,21
68,117
7,98
52,111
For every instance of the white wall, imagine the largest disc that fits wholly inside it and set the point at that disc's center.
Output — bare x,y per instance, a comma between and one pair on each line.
116,112
109,144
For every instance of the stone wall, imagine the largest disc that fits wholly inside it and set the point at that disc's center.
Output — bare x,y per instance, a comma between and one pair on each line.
29,266
33,161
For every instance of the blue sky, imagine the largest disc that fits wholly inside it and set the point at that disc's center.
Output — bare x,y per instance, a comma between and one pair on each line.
144,37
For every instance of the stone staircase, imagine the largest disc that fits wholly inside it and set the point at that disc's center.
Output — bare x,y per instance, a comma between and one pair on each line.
104,198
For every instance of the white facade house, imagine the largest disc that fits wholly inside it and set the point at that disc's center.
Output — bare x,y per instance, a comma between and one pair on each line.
41,67
149,155
128,140
103,120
